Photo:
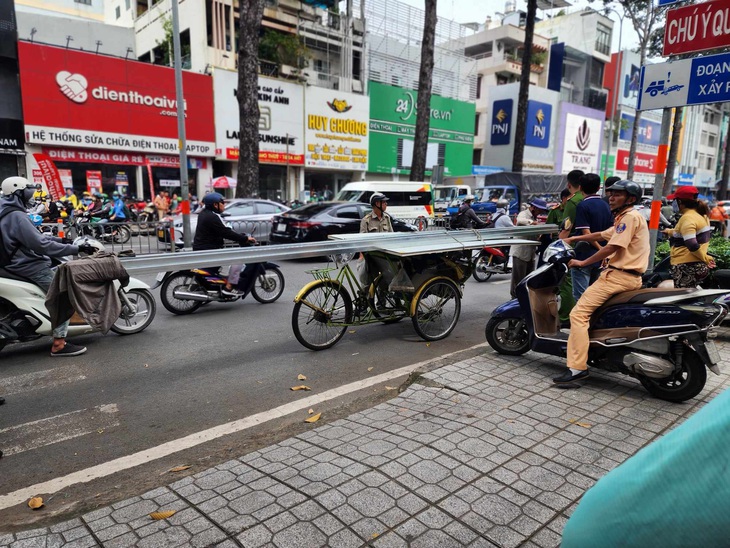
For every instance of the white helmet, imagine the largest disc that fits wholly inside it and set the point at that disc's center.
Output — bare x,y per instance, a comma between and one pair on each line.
13,184
468,198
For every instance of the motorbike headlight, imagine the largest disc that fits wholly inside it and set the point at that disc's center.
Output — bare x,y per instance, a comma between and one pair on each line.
556,251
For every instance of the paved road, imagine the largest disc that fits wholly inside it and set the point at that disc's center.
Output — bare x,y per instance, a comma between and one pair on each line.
191,373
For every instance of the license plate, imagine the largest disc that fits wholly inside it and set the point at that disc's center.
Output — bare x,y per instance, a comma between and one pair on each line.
712,352
160,233
160,276
281,227
439,215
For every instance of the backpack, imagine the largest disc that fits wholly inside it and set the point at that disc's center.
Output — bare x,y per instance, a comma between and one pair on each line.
458,220
6,256
491,223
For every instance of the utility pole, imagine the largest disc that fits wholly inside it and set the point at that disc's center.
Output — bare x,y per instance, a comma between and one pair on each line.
656,199
182,142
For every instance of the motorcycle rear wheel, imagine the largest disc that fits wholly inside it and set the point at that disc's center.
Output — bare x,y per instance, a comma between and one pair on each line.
121,234
684,385
480,275
508,336
268,286
128,324
172,303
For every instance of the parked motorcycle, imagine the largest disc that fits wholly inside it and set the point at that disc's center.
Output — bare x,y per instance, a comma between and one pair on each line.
662,337
491,260
88,225
23,315
718,278
143,213
185,291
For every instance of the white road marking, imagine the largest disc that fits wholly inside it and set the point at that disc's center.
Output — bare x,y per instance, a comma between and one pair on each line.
32,435
501,282
174,446
41,379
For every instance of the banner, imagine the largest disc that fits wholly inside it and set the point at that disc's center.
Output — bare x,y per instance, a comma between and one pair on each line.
50,175
66,178
93,181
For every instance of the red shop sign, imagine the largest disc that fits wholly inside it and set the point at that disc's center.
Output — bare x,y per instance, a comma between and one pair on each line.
79,99
697,27
270,157
118,158
643,163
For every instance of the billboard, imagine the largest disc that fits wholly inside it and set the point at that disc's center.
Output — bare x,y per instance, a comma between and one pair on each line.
501,126
393,126
580,140
649,131
82,100
539,118
281,130
336,129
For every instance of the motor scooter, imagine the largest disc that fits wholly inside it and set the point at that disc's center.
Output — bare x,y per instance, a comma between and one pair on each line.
184,291
489,261
24,317
662,337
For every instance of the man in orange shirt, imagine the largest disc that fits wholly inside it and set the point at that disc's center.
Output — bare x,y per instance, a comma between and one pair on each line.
628,253
719,218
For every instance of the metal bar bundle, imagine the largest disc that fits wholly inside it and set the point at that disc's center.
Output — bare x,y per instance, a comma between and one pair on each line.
397,243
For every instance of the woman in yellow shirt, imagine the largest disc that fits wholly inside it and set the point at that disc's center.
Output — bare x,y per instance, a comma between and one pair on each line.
689,239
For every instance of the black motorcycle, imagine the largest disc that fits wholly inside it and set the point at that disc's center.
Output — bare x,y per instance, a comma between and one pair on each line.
662,337
184,291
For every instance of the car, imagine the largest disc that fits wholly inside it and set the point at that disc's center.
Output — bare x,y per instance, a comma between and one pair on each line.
317,221
244,215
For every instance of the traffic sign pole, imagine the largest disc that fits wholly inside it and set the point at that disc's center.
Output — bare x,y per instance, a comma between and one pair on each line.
656,199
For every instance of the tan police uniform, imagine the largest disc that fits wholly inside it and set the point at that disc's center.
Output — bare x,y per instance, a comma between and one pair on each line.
370,223
631,235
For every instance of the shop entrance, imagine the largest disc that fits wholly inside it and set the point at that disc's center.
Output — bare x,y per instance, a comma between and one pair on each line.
323,185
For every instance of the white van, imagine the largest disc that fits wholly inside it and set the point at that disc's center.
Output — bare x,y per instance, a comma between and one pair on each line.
410,201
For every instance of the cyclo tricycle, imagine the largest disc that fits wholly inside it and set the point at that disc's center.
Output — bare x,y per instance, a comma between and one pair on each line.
426,288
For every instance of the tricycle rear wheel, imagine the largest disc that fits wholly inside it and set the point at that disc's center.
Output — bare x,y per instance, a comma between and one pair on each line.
438,306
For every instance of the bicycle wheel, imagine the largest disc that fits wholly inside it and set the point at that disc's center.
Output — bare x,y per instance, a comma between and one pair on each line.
179,281
322,315
268,286
437,309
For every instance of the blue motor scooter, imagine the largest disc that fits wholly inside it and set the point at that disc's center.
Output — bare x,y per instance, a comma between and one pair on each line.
662,337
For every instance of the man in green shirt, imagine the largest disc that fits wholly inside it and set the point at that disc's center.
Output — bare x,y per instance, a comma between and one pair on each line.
555,216
568,222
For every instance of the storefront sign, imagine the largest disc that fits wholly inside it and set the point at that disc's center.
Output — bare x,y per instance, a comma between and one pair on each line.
643,163
93,181
119,158
66,178
539,117
82,100
281,131
50,175
121,179
501,127
697,27
336,131
582,143
649,131
170,183
393,127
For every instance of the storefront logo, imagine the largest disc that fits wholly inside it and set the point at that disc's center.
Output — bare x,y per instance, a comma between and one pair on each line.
537,133
583,138
73,86
339,105
501,120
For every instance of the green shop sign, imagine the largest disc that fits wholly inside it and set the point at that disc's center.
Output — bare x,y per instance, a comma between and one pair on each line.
393,128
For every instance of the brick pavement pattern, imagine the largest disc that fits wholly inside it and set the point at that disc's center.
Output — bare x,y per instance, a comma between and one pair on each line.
482,452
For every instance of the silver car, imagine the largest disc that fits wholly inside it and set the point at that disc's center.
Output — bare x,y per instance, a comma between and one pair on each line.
251,216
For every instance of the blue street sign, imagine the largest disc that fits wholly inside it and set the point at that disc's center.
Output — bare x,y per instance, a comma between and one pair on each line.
485,170
669,2
694,81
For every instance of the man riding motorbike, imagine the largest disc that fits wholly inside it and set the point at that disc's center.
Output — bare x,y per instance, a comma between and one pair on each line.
211,233
628,253
29,251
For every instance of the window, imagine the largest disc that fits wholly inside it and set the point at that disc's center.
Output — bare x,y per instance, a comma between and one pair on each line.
350,212
265,207
240,209
118,12
85,2
603,39
476,124
479,86
126,5
711,140
710,162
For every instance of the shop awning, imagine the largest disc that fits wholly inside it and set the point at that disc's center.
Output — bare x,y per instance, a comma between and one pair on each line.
224,182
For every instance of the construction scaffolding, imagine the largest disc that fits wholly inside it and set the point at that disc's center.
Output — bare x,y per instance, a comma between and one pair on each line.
393,49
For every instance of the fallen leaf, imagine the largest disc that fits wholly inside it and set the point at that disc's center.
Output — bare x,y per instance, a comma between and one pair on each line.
179,468
577,422
300,387
391,388
352,331
370,368
375,535
313,418
35,503
428,344
311,411
355,353
301,377
163,515
146,365
100,431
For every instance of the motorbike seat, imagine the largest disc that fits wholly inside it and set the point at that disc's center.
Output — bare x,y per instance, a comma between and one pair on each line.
640,296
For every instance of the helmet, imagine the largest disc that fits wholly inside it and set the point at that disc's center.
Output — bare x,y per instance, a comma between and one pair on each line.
502,204
13,184
630,187
104,196
378,197
213,198
36,219
468,198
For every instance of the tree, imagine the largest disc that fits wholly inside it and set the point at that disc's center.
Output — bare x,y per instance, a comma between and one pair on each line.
251,13
722,190
644,17
165,45
521,122
673,150
423,104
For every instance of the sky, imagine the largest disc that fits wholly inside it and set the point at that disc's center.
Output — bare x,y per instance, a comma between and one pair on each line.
464,11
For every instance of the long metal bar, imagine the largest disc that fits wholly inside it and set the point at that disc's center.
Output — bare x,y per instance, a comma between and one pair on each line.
396,243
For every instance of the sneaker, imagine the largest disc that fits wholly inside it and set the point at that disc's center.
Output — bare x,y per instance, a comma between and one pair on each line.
232,292
69,350
569,376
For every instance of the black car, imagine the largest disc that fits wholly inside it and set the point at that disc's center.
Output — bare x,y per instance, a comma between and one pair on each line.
315,222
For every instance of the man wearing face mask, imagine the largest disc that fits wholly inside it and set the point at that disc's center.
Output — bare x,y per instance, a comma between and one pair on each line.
29,252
